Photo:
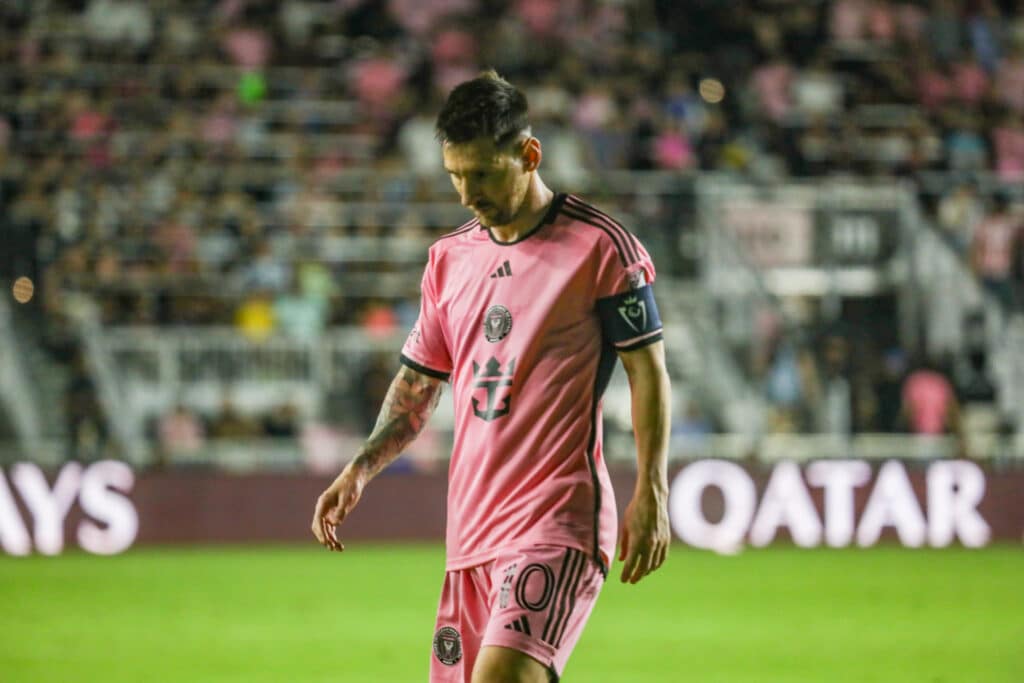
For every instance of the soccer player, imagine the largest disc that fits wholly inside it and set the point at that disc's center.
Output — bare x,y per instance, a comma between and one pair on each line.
524,311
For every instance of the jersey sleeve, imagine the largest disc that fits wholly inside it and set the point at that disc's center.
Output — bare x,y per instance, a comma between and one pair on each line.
625,300
426,349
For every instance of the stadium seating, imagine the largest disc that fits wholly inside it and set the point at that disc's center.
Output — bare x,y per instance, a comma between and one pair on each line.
231,204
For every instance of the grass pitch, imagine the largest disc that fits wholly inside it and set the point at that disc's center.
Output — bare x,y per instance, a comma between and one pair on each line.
301,614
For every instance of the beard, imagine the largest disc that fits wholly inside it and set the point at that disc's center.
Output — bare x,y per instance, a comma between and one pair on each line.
491,215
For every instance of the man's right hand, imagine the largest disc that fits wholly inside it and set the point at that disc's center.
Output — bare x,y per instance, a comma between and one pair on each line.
334,504
411,399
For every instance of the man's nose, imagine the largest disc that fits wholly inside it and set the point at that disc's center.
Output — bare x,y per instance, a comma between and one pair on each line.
469,195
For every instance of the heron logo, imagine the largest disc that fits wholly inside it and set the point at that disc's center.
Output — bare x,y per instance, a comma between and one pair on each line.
447,646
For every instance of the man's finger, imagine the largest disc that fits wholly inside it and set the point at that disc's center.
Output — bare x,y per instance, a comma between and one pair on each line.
623,543
652,561
632,560
332,536
663,554
318,519
316,531
639,566
318,526
329,539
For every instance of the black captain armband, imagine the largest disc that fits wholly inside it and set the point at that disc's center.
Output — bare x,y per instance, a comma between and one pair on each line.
630,320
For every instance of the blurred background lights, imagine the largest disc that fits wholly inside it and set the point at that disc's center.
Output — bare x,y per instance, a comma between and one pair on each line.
23,289
711,90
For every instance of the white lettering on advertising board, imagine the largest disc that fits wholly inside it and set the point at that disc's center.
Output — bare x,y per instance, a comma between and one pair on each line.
112,523
955,488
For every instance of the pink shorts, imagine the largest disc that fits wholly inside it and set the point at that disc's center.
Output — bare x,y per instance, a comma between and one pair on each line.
535,600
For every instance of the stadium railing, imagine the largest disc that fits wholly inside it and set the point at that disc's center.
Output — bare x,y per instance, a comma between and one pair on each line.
16,391
328,451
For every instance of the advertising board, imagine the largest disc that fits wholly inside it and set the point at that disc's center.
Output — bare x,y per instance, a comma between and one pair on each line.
721,505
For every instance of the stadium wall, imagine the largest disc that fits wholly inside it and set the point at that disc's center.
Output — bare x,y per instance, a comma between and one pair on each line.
721,505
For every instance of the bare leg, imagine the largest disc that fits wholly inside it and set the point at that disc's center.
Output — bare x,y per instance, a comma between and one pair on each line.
497,664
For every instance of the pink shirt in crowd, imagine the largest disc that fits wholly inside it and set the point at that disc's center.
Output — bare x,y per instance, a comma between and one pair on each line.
928,396
993,246
527,334
1008,142
1010,84
970,82
772,83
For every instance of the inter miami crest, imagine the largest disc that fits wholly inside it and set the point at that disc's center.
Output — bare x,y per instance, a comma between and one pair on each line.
497,323
447,646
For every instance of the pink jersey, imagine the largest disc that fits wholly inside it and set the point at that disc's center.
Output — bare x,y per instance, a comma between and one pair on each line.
527,333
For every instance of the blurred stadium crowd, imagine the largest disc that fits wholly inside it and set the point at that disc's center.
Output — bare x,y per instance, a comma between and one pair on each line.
191,163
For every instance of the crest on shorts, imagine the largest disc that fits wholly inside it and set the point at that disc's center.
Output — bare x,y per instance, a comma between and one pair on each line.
447,646
497,323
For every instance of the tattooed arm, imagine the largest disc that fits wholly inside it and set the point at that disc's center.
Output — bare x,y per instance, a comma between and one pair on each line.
410,401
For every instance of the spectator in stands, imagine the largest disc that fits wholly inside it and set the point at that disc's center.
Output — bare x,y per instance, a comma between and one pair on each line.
848,21
965,147
126,168
119,23
929,403
87,428
985,30
1008,143
282,422
1017,257
992,250
229,424
378,319
944,30
180,435
830,389
817,91
300,315
888,391
959,213
255,317
1009,80
786,385
265,270
970,81
972,380
691,430
772,81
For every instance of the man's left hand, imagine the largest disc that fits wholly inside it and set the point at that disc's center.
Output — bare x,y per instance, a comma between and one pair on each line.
644,540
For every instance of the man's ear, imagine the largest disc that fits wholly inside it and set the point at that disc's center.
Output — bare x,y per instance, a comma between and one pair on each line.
532,154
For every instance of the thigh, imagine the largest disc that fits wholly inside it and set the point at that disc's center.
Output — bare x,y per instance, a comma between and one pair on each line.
462,617
497,664
541,600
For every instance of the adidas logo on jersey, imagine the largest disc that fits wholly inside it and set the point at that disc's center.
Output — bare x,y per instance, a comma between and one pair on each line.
520,625
504,270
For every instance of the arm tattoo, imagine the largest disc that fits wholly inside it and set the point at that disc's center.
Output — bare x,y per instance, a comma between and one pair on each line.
410,401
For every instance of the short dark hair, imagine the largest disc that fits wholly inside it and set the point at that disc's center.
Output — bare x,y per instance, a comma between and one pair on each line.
487,106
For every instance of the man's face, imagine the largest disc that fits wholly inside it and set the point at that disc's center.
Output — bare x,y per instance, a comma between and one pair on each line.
492,182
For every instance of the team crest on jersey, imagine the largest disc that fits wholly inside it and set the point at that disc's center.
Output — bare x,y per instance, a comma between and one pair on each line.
447,646
497,323
634,312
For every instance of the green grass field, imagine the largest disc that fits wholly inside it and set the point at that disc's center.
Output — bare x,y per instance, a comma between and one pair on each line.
302,614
